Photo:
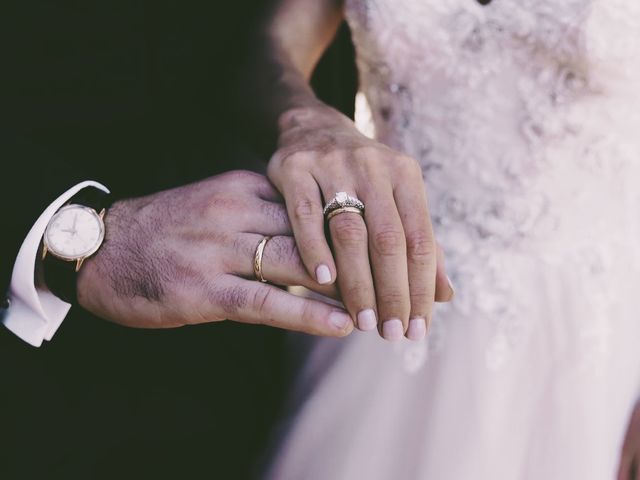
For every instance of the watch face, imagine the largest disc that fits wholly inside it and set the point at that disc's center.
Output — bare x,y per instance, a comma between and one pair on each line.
74,232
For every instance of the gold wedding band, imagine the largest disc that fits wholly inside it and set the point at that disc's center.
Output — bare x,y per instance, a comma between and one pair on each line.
338,211
257,259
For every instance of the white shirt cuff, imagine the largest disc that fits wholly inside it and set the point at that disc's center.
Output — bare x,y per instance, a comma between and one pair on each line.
35,314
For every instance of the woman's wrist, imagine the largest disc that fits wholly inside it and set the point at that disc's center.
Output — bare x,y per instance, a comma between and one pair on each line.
312,115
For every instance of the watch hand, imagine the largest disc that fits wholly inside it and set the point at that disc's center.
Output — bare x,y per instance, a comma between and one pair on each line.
75,220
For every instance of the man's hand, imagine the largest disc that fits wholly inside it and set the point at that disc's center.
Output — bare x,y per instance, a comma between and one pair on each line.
387,262
185,256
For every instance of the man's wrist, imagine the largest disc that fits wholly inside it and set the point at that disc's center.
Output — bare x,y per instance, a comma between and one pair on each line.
74,233
35,313
93,278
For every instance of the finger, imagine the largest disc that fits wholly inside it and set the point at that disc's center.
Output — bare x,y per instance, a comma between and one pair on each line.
260,303
388,255
253,215
411,200
268,218
251,182
444,287
281,263
304,206
267,192
351,251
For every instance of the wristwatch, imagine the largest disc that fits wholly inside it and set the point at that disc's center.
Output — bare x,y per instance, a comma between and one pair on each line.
73,234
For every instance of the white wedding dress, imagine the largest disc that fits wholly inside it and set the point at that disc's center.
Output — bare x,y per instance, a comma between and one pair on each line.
525,115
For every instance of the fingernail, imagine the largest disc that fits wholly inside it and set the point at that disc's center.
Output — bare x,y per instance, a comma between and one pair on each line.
340,320
417,329
323,274
367,320
453,290
393,329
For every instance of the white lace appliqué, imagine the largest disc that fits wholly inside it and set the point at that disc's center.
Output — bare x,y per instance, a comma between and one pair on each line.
525,115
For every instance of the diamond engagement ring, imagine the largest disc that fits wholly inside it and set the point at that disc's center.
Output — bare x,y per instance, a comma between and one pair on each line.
343,203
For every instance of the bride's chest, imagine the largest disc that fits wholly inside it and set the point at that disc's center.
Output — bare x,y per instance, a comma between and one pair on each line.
566,28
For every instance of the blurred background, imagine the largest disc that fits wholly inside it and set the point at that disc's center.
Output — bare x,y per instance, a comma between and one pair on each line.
195,402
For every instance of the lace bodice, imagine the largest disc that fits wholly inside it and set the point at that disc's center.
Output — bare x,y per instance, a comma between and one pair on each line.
525,115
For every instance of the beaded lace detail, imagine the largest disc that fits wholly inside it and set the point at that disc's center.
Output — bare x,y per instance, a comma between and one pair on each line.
525,116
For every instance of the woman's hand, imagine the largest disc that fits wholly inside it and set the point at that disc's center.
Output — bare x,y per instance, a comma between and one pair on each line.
385,263
630,458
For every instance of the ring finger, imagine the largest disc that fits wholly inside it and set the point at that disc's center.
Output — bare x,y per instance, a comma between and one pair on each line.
351,252
281,263
262,216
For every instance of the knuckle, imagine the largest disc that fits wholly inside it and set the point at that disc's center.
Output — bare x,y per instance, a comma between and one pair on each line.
356,293
367,153
420,302
275,212
373,161
230,300
240,176
331,155
349,230
294,117
264,185
420,245
237,245
388,241
408,165
393,301
217,204
306,210
376,156
291,159
260,302
288,158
